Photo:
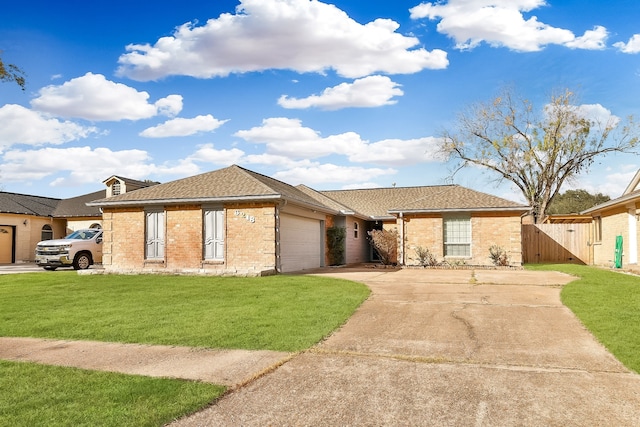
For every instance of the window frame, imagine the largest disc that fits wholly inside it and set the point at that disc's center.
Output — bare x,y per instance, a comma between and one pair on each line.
213,234
356,229
461,240
154,234
49,232
597,229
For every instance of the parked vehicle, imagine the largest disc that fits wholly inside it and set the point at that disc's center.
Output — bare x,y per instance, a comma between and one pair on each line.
79,250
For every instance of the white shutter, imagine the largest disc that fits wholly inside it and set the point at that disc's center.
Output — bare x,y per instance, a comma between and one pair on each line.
214,234
155,235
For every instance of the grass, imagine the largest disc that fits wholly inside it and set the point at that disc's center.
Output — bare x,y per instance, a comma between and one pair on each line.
282,313
37,395
608,304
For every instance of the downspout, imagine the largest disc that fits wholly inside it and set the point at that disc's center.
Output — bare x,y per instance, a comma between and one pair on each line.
633,236
277,235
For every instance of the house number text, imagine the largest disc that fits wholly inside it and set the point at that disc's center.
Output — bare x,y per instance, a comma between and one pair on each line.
249,218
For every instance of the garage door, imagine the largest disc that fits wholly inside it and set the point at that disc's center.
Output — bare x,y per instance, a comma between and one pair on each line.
300,243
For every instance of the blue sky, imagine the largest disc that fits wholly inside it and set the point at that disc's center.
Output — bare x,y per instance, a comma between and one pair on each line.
346,94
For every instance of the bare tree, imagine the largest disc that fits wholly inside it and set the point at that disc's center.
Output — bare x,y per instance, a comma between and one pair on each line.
12,73
538,151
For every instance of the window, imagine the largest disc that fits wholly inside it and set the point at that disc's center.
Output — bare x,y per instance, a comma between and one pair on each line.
115,188
597,229
457,236
155,235
47,233
214,234
355,230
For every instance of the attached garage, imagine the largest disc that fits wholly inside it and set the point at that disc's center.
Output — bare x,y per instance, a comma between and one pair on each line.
301,243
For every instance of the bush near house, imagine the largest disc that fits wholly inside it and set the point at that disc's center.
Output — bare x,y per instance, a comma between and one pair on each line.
385,243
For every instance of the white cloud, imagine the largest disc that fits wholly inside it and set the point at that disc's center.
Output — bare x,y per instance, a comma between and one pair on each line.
287,137
633,46
208,154
502,23
93,97
85,165
372,91
23,126
591,40
598,114
301,35
183,127
330,173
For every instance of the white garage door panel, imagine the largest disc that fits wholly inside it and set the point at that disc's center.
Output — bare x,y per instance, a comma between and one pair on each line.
300,243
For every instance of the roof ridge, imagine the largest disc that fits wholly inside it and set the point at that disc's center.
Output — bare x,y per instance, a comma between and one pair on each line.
390,188
260,178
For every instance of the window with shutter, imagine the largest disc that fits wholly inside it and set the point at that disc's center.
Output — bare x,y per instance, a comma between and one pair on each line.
155,235
214,234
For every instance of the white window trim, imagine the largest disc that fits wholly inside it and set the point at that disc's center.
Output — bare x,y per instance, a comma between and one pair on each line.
157,241
214,241
444,237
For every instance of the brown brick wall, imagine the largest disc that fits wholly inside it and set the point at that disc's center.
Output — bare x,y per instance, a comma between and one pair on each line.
249,240
486,230
184,240
123,241
250,237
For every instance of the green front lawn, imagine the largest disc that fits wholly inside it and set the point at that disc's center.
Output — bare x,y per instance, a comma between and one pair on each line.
283,313
36,395
608,304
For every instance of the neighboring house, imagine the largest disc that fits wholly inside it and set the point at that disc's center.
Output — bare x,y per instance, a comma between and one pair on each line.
25,219
236,221
617,217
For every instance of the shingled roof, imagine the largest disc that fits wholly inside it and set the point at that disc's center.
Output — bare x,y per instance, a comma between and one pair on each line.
27,205
228,184
77,206
382,203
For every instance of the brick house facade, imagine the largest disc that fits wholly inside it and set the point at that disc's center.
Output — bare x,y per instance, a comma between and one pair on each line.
234,221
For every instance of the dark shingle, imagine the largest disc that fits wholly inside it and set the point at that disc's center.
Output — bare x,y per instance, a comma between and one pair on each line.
26,204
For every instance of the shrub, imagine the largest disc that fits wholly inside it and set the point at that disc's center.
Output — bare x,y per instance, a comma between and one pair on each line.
425,257
335,242
385,244
498,255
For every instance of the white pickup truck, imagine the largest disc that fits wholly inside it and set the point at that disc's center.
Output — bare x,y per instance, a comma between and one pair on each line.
79,250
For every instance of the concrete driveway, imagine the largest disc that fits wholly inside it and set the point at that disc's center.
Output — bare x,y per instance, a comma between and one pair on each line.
444,348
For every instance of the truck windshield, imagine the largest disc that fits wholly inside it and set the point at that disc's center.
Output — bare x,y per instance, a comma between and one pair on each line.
83,234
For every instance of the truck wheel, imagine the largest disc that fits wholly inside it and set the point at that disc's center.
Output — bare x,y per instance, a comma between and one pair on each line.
82,261
50,268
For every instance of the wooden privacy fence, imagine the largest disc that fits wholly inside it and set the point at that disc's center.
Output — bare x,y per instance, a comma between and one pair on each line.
559,243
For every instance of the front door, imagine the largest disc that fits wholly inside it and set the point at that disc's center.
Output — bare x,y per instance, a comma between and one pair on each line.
6,244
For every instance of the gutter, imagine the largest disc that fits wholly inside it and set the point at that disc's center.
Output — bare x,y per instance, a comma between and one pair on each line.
203,200
440,210
611,203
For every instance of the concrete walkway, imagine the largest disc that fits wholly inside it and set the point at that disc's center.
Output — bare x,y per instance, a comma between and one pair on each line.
436,348
429,347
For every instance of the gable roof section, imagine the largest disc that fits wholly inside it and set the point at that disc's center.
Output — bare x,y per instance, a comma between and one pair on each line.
77,206
630,194
382,203
326,201
233,183
26,204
